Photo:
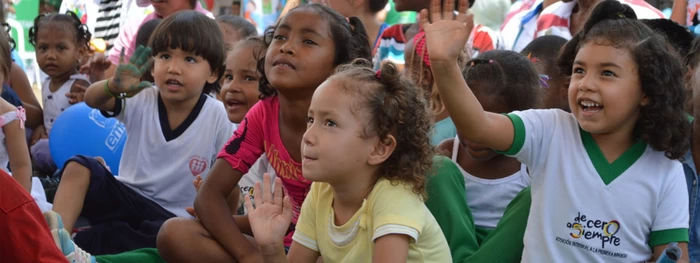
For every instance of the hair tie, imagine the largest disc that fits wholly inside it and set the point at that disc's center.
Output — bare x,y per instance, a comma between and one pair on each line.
621,15
420,48
532,58
543,79
477,61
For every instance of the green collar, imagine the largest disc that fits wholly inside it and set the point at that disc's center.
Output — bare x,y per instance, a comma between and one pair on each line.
610,171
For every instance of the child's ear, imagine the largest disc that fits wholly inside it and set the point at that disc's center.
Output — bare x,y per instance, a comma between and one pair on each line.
214,76
357,3
383,150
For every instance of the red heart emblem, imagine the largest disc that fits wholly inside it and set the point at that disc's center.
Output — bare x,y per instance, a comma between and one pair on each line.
197,166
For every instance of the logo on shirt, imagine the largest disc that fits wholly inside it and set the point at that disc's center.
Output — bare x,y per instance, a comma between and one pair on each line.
605,232
197,165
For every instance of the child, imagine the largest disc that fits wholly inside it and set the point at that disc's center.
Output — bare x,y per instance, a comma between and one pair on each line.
502,81
367,12
520,26
60,41
302,51
392,42
543,52
367,150
690,163
604,176
142,37
153,186
235,28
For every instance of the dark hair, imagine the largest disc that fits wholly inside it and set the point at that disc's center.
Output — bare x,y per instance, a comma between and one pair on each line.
5,54
392,105
255,42
377,5
193,32
507,75
678,36
8,30
545,49
349,37
145,32
243,26
662,123
82,33
692,59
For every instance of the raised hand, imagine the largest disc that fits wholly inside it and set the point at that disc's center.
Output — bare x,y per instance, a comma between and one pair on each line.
446,33
77,93
127,78
270,217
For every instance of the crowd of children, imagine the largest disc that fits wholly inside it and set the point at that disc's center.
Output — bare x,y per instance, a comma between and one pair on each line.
569,135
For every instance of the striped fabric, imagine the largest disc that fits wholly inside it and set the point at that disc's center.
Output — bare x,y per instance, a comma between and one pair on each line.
520,27
554,19
109,21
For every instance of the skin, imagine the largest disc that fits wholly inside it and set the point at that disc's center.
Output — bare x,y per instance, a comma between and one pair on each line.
240,89
580,14
679,13
17,149
350,169
594,75
359,9
231,35
21,85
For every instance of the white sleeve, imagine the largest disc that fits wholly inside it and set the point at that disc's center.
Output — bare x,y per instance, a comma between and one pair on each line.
670,222
533,132
130,110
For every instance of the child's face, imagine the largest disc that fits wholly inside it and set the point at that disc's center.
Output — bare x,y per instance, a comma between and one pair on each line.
240,90
56,49
555,93
236,9
605,93
231,35
333,148
490,103
166,8
301,53
180,76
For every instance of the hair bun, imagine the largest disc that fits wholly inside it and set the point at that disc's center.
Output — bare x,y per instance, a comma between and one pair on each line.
609,9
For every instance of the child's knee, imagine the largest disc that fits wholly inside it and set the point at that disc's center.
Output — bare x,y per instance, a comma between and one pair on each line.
173,235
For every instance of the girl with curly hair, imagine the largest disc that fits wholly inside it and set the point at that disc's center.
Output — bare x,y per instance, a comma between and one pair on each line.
606,185
367,150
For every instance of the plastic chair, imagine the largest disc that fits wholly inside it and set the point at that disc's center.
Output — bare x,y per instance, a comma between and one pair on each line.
22,49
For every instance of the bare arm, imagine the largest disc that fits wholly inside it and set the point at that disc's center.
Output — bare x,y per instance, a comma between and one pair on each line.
679,12
21,86
391,248
18,152
214,213
97,97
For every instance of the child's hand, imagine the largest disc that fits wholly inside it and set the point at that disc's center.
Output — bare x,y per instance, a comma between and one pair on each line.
447,34
197,182
127,79
270,217
39,133
77,93
96,67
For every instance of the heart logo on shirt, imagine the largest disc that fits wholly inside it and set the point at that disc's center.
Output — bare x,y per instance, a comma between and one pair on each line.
197,165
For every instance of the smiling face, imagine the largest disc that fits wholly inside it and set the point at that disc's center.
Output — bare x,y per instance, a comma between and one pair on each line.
180,76
605,93
334,146
301,53
240,90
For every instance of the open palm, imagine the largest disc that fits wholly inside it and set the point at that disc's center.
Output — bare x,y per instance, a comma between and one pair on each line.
272,213
127,78
446,33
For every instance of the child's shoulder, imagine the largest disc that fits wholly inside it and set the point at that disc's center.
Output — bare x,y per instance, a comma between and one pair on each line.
6,107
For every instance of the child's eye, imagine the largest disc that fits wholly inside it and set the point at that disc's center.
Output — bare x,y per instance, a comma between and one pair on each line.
309,120
578,71
190,60
164,56
309,42
330,123
279,37
228,77
608,73
249,78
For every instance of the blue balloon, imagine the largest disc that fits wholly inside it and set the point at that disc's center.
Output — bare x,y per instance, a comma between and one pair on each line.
83,130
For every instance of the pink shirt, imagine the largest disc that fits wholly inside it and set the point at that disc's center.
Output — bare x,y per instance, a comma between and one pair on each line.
260,132
127,36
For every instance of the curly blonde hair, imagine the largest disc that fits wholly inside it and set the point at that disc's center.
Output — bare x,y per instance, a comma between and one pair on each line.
392,105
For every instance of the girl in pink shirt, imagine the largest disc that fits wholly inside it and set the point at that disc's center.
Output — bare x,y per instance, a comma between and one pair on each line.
304,49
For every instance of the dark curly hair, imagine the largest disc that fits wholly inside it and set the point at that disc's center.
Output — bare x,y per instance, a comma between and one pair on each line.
508,75
690,62
662,123
5,55
392,105
349,37
82,33
194,32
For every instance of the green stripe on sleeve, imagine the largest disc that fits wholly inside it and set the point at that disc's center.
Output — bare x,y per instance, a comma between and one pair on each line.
519,135
667,236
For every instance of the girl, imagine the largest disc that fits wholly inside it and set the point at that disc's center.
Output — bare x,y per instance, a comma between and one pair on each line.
60,41
605,186
152,187
502,81
369,163
690,161
543,53
367,12
302,51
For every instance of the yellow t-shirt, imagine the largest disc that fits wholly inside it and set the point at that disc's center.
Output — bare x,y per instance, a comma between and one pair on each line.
388,209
